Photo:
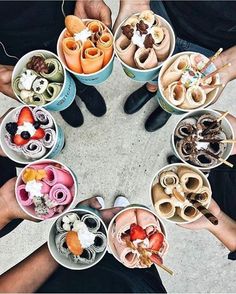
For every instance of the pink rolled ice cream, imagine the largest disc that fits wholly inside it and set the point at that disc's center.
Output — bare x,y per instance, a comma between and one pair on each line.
23,196
56,175
60,194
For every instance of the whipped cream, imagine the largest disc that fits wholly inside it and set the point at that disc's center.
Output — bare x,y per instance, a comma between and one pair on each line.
190,78
83,35
139,39
202,145
26,127
26,80
34,189
86,238
144,242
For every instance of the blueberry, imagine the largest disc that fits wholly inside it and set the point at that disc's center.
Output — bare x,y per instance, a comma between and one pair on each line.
11,128
36,124
25,135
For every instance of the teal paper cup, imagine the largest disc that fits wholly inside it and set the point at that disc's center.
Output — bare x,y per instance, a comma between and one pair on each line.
20,157
166,104
87,79
139,75
68,91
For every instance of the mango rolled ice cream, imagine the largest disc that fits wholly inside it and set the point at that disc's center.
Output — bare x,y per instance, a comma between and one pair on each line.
87,45
144,42
170,189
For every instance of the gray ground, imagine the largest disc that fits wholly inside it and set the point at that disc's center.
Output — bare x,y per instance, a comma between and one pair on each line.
114,154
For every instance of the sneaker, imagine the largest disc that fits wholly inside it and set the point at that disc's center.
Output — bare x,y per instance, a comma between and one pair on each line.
121,201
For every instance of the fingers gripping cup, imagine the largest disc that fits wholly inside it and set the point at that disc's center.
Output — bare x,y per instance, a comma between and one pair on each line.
78,239
199,139
170,189
29,134
137,238
45,189
40,79
85,48
142,43
184,85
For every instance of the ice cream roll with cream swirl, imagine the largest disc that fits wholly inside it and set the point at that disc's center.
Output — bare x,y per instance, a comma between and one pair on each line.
175,93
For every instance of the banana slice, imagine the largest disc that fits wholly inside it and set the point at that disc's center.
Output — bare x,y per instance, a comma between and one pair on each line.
132,21
157,34
148,17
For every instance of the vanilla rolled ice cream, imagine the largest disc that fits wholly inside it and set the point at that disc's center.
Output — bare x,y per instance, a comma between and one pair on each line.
75,242
170,188
143,41
198,139
29,134
39,196
184,84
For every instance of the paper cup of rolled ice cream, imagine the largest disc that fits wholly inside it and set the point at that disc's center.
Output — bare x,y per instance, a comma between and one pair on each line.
78,239
185,84
29,134
85,48
198,139
40,79
170,189
137,237
46,189
142,43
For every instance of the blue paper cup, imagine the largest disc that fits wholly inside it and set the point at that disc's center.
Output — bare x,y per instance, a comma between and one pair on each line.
68,91
17,156
166,104
87,79
147,75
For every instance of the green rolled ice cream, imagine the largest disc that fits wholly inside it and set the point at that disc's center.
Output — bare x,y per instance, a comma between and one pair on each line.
56,73
52,91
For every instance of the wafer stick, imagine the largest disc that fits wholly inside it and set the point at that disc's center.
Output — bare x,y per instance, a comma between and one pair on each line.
165,268
211,59
228,141
223,115
220,159
202,209
216,71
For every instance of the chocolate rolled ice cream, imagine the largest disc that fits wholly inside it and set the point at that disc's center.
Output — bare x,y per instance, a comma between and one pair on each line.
199,139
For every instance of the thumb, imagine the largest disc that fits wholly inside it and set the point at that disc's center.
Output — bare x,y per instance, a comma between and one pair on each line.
105,16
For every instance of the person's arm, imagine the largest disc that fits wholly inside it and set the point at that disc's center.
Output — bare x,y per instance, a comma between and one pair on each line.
225,231
127,8
5,80
94,9
30,274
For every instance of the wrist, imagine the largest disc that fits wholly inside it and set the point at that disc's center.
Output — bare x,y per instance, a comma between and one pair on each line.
134,6
5,213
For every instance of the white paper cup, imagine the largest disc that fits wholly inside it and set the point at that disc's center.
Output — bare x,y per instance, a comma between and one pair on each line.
111,246
176,218
63,260
30,209
68,91
166,104
18,157
226,126
92,79
140,75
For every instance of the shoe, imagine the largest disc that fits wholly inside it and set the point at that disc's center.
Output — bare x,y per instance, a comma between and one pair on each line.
73,115
138,99
91,98
173,159
157,119
121,201
100,199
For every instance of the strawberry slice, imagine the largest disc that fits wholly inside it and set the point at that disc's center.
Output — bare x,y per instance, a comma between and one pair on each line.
25,116
137,232
156,241
155,258
39,134
19,141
